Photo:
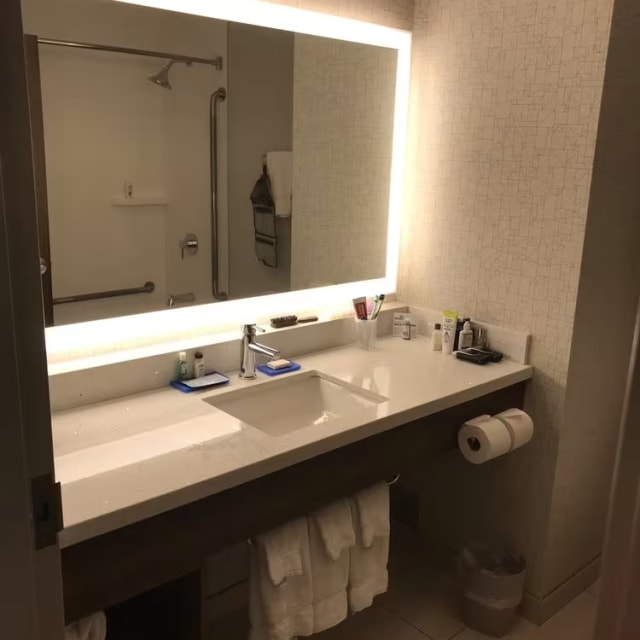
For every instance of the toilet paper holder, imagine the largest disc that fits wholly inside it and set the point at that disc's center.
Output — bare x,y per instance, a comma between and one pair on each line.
488,437
474,444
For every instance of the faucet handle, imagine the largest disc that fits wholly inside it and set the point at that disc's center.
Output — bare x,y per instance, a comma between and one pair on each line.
251,328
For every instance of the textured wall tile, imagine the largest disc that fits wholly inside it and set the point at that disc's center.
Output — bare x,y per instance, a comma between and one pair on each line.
342,141
505,105
329,262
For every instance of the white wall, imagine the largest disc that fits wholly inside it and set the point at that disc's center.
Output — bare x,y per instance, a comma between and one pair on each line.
505,105
106,124
344,99
608,295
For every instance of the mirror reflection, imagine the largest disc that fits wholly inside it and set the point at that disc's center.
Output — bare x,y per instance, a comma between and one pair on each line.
183,160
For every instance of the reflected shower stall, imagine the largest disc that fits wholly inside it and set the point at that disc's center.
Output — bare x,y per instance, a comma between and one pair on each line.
161,79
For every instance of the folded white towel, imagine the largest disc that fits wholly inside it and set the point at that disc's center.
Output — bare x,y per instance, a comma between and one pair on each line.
373,512
336,527
280,169
282,551
368,575
91,628
331,535
281,595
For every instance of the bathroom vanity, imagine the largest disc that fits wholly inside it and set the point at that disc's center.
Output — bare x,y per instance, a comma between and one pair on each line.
153,484
143,204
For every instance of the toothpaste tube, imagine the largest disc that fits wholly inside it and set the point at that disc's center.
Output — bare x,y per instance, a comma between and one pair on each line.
449,322
360,306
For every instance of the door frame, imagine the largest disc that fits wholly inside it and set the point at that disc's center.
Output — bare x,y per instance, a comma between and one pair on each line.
34,91
30,581
618,615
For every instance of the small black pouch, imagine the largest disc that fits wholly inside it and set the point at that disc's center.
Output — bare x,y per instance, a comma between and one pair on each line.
475,358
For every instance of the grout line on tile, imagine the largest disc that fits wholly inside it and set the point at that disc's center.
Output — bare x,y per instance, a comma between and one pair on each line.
408,622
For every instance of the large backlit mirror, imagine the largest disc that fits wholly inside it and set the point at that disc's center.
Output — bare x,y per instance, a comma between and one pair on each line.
187,160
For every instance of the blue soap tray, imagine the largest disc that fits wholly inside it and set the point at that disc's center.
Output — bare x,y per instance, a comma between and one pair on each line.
294,366
212,379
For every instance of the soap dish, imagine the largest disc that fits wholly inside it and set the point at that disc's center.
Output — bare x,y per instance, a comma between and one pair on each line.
212,379
294,366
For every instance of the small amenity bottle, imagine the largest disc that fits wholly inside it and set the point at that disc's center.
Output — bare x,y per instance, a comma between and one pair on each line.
182,372
436,338
466,336
198,365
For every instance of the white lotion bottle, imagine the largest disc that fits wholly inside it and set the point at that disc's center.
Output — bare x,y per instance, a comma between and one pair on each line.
465,339
198,365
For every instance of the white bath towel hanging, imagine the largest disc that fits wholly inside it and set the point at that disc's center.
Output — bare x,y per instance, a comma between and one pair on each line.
368,574
93,627
280,170
331,535
280,593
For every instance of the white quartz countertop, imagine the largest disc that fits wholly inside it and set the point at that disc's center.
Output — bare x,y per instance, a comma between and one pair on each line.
128,459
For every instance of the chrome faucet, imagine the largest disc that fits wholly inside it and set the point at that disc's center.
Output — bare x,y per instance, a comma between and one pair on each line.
249,350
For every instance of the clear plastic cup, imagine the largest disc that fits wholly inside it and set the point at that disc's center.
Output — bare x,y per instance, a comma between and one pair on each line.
366,333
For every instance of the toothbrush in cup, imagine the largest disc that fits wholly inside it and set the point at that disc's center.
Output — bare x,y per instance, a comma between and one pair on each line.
378,306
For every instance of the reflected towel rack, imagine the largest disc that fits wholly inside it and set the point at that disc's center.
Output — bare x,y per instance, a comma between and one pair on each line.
147,287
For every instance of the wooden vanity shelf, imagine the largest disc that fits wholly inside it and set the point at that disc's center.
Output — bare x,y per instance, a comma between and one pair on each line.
114,567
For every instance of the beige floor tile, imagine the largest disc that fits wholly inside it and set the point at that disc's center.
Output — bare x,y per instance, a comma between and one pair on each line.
424,596
595,588
523,630
427,601
575,622
372,624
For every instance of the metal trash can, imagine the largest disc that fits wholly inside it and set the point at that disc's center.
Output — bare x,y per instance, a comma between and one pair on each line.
492,584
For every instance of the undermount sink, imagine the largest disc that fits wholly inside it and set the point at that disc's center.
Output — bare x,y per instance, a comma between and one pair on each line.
281,406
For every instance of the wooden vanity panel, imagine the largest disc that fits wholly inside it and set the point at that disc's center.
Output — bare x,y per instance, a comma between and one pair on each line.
174,611
119,565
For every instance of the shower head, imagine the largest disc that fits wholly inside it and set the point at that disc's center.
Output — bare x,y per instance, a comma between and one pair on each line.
162,77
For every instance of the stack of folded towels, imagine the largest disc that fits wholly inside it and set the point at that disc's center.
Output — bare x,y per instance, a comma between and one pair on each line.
308,574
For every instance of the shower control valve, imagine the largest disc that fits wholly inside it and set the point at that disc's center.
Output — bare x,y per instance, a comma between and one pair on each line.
189,244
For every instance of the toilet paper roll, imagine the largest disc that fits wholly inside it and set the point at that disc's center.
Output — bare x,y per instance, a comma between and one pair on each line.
483,439
519,424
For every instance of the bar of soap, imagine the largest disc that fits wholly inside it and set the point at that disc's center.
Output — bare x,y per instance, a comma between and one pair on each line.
278,364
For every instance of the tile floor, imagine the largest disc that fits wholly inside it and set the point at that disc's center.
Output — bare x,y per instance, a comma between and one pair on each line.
421,605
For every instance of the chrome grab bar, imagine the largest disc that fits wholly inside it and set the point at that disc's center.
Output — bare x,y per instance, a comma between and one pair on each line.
147,287
217,96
